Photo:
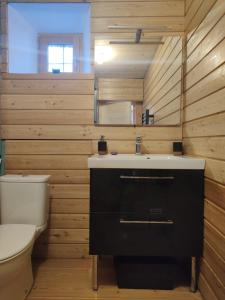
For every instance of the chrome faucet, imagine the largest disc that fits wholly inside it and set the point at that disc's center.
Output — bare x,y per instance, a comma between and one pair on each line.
138,145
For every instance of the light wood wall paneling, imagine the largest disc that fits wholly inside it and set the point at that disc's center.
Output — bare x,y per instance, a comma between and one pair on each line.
131,9
212,147
47,102
216,193
48,147
85,132
206,291
215,215
167,60
215,238
46,162
204,129
216,58
58,176
64,236
214,260
210,276
100,25
198,16
129,146
206,26
69,191
70,221
209,126
207,85
45,117
209,105
215,169
72,250
213,38
39,86
68,205
162,83
120,89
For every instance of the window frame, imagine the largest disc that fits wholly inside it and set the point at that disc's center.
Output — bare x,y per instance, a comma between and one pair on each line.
75,39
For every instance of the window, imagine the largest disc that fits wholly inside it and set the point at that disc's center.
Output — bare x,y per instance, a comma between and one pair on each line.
60,53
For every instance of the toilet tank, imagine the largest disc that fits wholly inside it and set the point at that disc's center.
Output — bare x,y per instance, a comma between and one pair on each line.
24,199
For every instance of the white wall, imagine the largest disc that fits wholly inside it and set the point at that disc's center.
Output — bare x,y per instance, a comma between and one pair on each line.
23,45
54,18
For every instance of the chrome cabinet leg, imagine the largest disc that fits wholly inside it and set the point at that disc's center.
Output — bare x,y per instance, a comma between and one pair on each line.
95,272
194,272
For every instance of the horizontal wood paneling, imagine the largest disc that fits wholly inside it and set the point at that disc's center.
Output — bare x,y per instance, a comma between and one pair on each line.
48,147
206,291
46,162
62,132
48,102
40,117
58,176
50,86
162,83
70,221
50,250
68,205
65,236
69,191
212,147
215,169
166,14
120,89
132,9
215,260
43,136
204,129
210,276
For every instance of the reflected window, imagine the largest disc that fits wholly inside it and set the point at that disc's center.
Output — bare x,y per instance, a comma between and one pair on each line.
60,53
60,58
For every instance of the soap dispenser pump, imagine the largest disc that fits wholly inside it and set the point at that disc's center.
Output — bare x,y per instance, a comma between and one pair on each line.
102,146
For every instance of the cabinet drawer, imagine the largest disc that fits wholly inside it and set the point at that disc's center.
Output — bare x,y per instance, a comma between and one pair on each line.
115,191
115,234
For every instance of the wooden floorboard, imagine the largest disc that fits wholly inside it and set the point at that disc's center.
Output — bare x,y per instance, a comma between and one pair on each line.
61,279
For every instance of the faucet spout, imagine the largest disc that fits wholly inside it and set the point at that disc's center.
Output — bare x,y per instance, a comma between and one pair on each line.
138,145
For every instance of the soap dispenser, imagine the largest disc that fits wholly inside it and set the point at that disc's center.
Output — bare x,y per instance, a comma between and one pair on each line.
102,146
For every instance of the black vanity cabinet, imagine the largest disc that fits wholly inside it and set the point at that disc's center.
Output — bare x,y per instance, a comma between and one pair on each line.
146,212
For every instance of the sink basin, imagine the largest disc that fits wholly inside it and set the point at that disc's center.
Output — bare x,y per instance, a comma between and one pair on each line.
145,161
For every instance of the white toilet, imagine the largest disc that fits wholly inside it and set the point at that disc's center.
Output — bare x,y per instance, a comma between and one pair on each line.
24,209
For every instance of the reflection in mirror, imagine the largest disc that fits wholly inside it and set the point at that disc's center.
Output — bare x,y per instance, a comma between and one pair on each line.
138,82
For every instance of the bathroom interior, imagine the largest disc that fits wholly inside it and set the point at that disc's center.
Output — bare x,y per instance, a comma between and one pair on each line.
112,149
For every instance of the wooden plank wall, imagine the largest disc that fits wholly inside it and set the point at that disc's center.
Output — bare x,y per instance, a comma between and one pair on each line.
47,121
113,89
133,13
163,82
204,129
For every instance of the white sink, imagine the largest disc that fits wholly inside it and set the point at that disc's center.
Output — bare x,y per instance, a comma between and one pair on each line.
146,161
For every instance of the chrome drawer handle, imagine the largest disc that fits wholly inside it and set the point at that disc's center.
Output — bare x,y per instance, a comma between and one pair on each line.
148,177
168,222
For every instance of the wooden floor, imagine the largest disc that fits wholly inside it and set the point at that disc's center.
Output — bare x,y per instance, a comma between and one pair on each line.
71,279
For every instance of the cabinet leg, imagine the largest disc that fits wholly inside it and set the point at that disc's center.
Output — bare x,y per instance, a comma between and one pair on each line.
95,272
194,274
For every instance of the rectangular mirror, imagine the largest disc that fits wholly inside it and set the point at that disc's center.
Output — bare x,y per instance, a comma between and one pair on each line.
138,82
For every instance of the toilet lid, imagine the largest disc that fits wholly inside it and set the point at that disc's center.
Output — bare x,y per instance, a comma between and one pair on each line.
14,238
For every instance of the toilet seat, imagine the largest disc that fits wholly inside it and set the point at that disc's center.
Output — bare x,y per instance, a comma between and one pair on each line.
14,238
